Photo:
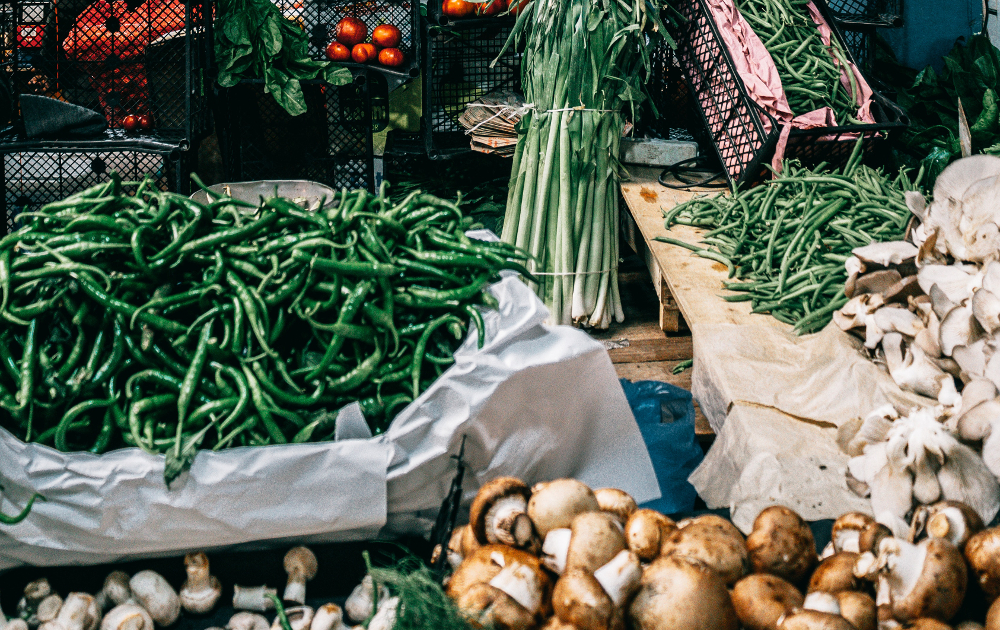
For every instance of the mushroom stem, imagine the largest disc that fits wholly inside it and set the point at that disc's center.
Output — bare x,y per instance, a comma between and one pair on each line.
301,566
253,598
201,590
521,583
949,524
328,617
620,577
822,602
79,612
508,521
555,549
385,618
903,561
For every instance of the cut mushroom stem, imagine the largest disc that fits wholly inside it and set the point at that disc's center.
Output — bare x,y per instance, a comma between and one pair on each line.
823,602
620,577
555,548
954,524
301,566
255,598
522,584
201,590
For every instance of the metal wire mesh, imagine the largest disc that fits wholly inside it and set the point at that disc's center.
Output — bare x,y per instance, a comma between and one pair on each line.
33,178
331,143
122,58
871,12
457,71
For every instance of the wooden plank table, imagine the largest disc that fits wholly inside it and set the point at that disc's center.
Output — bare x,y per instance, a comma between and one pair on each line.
689,286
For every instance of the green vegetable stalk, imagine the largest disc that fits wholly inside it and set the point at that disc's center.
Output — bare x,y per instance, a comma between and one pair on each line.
23,514
584,61
253,40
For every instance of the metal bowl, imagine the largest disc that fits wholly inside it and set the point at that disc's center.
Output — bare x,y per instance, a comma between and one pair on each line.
305,193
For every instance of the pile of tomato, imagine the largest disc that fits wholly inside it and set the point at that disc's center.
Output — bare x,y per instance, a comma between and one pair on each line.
458,9
349,43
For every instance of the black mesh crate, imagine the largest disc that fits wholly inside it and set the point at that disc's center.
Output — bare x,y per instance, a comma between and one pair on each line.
860,40
736,123
457,71
330,143
670,113
868,12
319,19
123,58
36,173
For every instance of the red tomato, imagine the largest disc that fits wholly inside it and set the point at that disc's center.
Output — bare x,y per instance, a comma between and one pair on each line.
517,6
392,57
130,122
386,36
491,7
145,121
338,52
457,8
350,31
363,53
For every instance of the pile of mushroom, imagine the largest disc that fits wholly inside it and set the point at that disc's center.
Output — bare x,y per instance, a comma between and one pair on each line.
930,311
592,560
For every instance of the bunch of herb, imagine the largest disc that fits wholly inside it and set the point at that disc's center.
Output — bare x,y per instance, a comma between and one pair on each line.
253,40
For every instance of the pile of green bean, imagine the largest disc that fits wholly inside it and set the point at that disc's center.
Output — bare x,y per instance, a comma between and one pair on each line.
152,320
787,240
809,70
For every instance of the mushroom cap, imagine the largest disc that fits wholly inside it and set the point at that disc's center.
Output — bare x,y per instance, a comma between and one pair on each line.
116,588
554,623
597,538
48,608
491,607
301,559
872,536
132,617
782,544
814,620
681,594
202,600
37,590
645,531
939,589
928,624
942,515
993,617
616,502
328,617
156,595
970,625
859,609
489,493
554,504
485,564
761,599
248,621
578,599
982,551
461,545
835,574
714,541
847,530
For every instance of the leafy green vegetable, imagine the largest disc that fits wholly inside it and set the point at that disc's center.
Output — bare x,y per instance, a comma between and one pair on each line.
253,40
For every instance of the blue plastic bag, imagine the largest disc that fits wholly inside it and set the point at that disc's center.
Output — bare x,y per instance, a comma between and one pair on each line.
665,414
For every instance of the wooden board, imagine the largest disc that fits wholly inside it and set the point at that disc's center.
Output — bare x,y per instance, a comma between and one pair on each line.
689,285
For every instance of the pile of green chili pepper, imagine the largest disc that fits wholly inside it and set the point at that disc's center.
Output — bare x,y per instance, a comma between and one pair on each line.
787,240
152,320
809,70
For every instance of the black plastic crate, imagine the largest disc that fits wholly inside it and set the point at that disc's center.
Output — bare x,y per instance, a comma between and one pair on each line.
868,12
330,143
119,59
36,173
670,113
735,121
458,69
860,40
319,19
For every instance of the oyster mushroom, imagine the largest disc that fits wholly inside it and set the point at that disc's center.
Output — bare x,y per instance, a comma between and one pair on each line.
554,504
133,617
499,513
616,502
681,594
912,371
712,540
986,310
645,531
594,539
781,544
890,253
958,328
835,574
201,590
982,551
761,599
976,423
877,281
301,566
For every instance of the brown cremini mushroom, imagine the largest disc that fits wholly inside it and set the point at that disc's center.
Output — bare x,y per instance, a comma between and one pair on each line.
871,536
115,591
847,530
579,600
982,551
461,545
927,624
594,539
712,540
859,609
814,620
676,593
554,504
781,544
248,621
761,599
488,606
499,513
925,580
616,502
993,616
835,574
953,521
645,532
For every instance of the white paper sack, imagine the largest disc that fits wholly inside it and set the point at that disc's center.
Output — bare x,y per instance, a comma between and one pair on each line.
537,402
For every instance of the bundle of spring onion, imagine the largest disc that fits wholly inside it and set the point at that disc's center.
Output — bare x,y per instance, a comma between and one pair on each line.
809,70
787,240
151,320
584,59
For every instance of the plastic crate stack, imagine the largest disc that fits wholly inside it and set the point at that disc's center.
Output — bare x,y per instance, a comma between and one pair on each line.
330,143
127,58
859,20
458,68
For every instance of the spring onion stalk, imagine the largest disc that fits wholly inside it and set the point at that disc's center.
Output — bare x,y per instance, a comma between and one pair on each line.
584,61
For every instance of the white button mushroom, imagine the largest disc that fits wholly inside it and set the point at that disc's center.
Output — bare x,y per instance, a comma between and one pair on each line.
127,617
48,609
329,617
360,604
248,621
34,593
253,598
155,594
12,624
78,612
115,591
299,618
301,566
201,590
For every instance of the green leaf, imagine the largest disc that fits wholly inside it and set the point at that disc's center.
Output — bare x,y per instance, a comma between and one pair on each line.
337,75
986,122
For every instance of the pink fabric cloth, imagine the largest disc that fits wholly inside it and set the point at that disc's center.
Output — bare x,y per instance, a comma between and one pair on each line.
760,75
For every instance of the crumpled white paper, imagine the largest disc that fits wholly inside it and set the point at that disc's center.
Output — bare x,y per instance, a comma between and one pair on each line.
537,402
